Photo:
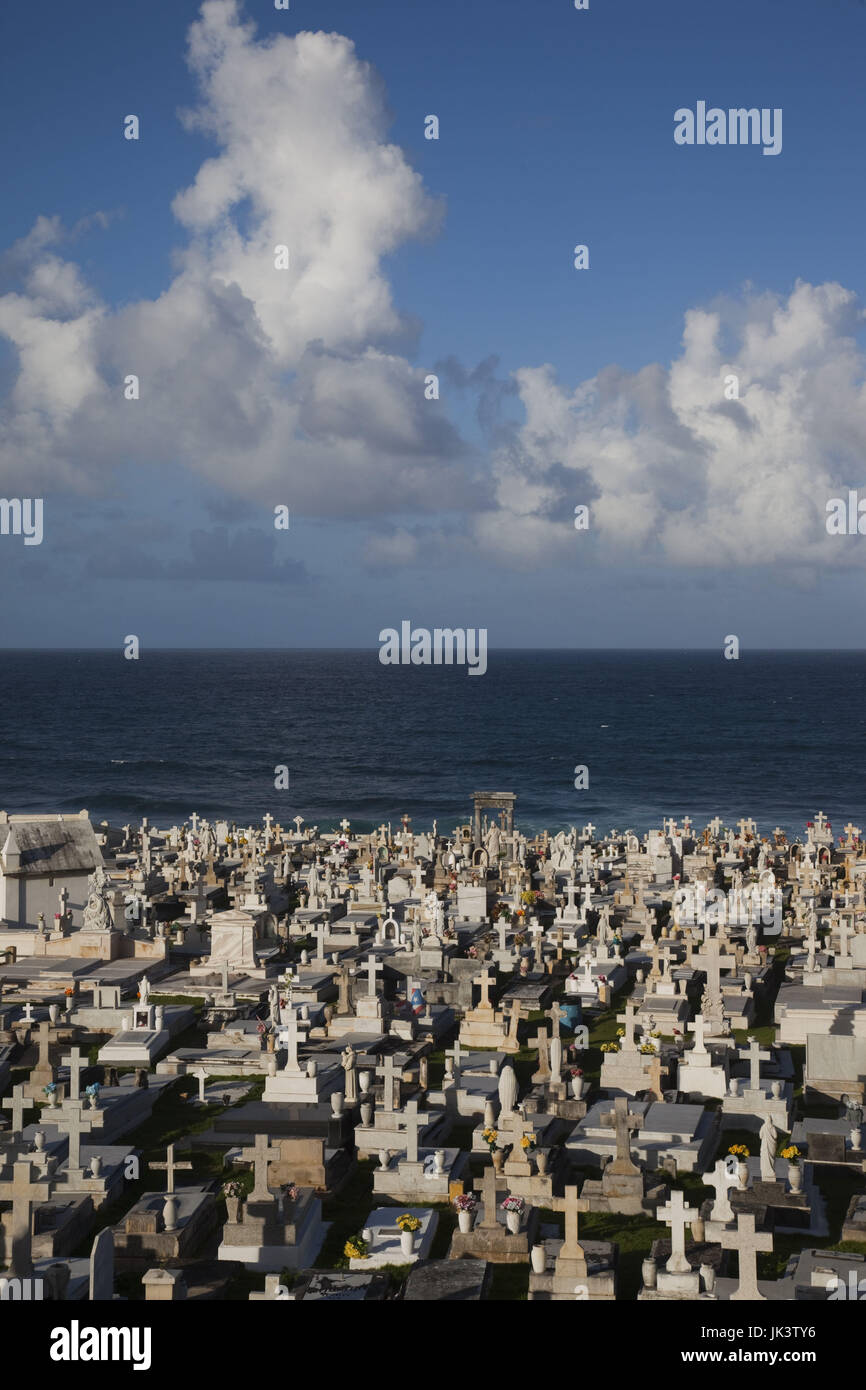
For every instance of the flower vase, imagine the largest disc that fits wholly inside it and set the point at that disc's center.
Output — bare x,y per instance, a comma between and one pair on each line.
538,1256
743,1176
498,1160
407,1242
795,1177
464,1221
541,1161
577,1085
366,1113
232,1205
512,1221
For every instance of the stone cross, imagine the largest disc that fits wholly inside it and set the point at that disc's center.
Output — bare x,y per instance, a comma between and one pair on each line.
699,1029
373,967
714,965
844,930
516,1013
17,1104
620,1119
720,1179
75,1065
73,1122
44,1033
487,1186
412,1122
655,973
571,1249
456,1054
654,1077
756,1057
629,1019
853,832
169,1167
22,1192
677,1215
486,981
201,1075
260,1156
747,1242
288,1037
391,1079
541,1042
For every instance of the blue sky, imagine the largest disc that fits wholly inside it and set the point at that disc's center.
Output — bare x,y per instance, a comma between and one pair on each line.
556,129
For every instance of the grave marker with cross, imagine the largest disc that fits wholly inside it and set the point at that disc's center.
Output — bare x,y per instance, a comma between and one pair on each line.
720,1179
756,1057
260,1156
747,1242
18,1104
391,1083
374,966
699,1029
487,1186
571,1259
74,1122
412,1122
486,981
542,1042
170,1167
23,1193
74,1062
677,1215
623,1122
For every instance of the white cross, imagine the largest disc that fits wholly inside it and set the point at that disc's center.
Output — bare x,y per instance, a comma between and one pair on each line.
698,1028
412,1121
486,982
75,1123
677,1215
22,1192
720,1179
74,1063
170,1167
756,1057
288,1037
389,1075
630,1019
17,1104
373,967
747,1242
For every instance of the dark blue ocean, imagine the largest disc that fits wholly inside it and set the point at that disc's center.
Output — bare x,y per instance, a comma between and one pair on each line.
777,736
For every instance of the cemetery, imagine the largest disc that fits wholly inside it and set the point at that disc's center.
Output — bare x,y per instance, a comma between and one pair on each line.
288,1062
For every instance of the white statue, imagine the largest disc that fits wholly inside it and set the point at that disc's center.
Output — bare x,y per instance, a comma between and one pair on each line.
507,1090
769,1139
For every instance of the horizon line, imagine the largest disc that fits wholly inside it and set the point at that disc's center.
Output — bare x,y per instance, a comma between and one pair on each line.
374,651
